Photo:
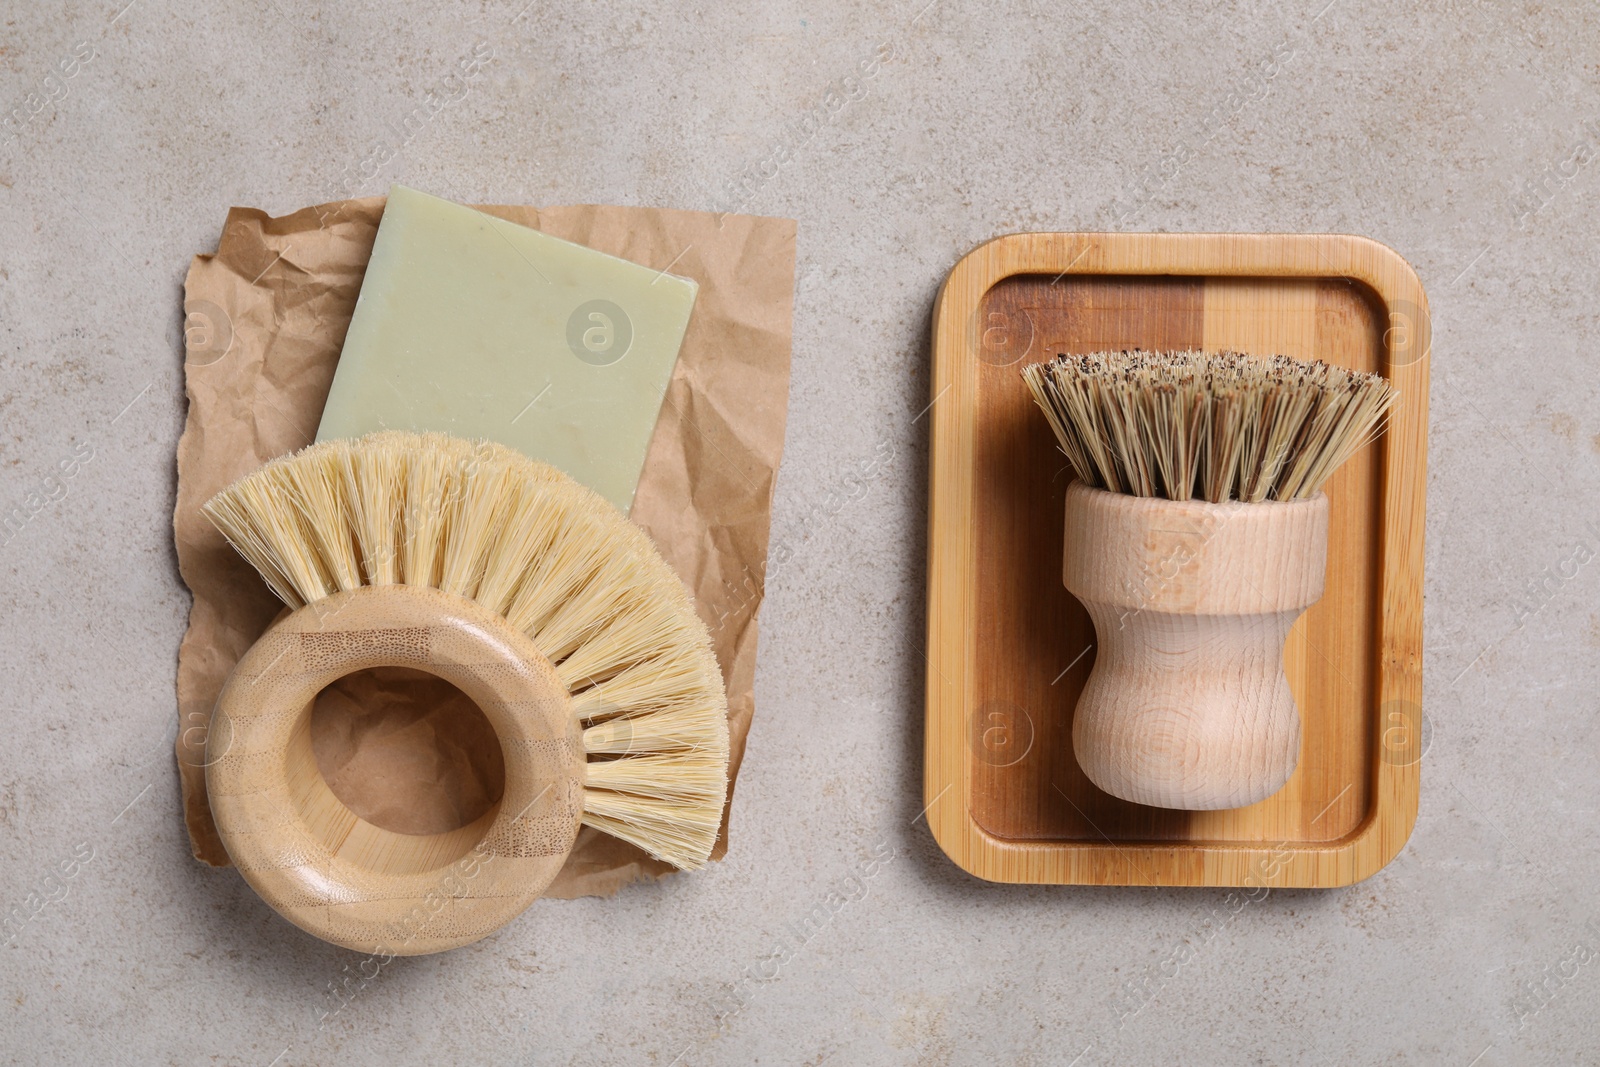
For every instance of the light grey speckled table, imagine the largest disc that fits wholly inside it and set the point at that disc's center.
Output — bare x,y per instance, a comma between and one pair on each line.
1463,134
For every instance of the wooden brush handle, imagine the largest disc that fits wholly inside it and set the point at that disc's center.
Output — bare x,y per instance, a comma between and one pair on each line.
1187,705
341,878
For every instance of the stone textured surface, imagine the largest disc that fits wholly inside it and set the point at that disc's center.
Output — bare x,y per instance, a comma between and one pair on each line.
1461,133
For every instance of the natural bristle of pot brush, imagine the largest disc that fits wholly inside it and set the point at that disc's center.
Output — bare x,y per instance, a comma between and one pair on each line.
1208,425
557,561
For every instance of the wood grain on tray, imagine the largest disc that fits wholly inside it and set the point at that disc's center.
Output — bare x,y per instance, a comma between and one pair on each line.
1009,648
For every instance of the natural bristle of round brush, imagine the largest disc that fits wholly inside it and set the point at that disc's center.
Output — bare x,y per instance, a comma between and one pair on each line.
1207,425
557,561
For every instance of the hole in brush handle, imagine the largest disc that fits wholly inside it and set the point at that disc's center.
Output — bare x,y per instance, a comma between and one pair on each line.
350,882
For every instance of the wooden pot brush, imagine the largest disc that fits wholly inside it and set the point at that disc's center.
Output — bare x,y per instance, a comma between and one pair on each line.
531,594
1196,534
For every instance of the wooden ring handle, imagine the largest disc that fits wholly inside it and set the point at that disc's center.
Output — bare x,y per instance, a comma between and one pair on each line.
340,877
1188,705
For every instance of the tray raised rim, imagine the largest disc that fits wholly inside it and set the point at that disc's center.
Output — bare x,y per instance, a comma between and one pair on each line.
951,641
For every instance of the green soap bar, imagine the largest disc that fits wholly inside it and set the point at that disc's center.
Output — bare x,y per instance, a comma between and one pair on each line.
478,327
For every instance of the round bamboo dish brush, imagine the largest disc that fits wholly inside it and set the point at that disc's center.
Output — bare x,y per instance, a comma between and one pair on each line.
532,595
1196,534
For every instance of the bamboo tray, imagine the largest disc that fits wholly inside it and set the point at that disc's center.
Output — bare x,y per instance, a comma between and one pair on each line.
1009,649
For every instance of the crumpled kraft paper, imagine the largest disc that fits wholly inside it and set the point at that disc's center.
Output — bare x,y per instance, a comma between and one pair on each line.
265,317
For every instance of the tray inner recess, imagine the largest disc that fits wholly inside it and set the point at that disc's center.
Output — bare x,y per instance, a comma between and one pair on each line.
1036,643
